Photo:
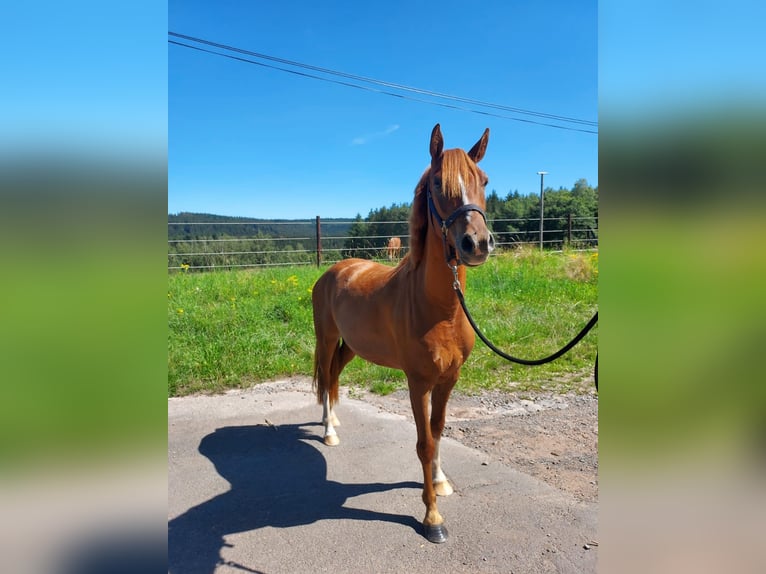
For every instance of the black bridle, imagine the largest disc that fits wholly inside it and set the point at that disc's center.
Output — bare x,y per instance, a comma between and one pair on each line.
445,225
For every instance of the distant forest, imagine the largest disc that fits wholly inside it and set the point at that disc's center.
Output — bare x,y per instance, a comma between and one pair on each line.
202,241
207,226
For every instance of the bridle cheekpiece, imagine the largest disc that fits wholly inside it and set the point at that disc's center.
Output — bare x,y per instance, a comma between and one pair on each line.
445,224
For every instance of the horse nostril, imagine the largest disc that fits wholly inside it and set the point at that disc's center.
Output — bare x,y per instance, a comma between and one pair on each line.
467,244
491,242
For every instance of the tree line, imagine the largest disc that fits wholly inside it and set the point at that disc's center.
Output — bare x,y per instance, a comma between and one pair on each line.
199,241
513,219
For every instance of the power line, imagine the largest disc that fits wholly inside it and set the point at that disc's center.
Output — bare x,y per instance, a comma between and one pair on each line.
367,88
381,83
385,83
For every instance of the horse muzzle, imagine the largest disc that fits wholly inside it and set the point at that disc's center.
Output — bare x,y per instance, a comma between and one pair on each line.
475,247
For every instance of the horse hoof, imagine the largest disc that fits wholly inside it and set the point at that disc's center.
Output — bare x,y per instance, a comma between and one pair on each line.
331,440
443,488
436,533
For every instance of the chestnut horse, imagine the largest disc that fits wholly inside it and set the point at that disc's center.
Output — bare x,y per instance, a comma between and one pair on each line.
394,248
408,317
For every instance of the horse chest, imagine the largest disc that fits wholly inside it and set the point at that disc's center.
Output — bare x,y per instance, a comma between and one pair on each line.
448,349
446,363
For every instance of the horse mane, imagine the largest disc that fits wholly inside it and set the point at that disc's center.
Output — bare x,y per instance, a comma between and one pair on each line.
419,221
453,163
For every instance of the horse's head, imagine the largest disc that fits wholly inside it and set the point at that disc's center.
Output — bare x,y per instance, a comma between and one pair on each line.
456,198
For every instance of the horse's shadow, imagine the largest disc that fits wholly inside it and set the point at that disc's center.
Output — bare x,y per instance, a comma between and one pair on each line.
277,479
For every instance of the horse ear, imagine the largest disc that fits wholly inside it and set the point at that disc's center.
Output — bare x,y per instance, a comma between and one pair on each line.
479,149
437,142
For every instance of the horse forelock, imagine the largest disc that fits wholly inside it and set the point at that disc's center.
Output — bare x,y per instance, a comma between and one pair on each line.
457,170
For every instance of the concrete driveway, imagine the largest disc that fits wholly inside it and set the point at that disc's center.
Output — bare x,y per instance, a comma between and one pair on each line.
252,488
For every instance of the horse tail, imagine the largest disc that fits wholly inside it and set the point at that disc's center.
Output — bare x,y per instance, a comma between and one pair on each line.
317,384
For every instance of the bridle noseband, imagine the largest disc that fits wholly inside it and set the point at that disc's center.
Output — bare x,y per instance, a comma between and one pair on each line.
445,224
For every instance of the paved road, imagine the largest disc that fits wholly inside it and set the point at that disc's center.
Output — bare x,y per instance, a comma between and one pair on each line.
247,495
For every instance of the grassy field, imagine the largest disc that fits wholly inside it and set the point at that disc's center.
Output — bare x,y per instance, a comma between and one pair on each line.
231,329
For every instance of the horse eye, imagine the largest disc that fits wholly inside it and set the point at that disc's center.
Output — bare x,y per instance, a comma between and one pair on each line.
437,182
486,181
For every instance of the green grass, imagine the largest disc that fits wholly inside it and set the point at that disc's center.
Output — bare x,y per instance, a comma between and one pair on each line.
231,329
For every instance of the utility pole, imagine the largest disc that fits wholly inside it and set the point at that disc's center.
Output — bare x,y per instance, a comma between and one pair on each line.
542,175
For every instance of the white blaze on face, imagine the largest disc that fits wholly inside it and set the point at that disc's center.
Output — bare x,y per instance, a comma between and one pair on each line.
464,195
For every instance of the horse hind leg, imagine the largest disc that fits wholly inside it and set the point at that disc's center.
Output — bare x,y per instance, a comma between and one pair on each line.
330,421
439,397
329,362
323,384
442,485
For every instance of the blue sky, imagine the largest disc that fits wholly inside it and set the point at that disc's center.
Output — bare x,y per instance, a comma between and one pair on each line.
99,79
86,77
245,140
661,60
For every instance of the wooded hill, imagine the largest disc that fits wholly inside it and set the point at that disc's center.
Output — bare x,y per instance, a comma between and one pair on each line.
569,214
208,226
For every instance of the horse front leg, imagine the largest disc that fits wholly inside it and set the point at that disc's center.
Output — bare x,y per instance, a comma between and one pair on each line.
433,523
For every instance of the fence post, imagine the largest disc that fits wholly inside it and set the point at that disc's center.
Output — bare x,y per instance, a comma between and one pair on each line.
569,229
319,243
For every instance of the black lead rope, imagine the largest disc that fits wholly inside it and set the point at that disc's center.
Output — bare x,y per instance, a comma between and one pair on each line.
513,359
444,225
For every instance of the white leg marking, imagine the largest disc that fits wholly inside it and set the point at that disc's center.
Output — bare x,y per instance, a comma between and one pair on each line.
442,486
329,419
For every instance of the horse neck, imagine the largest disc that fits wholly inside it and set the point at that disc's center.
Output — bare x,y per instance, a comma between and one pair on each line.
439,278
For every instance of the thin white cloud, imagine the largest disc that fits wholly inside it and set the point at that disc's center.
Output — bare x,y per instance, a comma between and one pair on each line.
361,140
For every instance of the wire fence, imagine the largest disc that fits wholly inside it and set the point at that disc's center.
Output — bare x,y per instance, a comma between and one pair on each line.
204,246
